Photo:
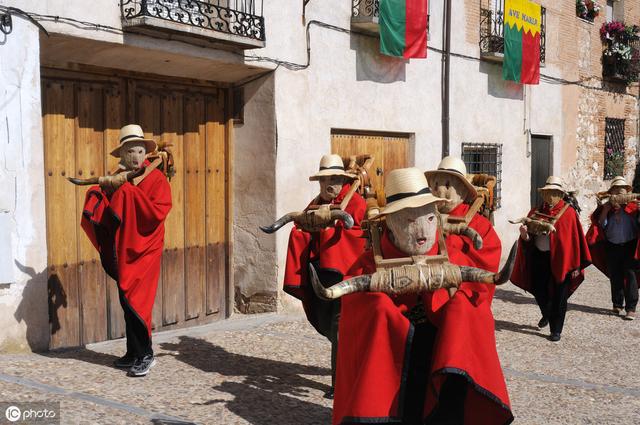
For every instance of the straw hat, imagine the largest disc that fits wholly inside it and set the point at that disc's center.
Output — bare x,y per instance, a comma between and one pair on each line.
407,188
133,133
331,165
456,167
553,183
619,181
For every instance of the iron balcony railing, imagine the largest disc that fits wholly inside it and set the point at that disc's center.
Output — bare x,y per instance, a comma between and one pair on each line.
492,30
236,17
368,8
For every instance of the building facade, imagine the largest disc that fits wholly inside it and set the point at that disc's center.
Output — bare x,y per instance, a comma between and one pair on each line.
251,94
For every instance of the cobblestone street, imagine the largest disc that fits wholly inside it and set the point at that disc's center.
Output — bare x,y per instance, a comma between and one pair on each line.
273,369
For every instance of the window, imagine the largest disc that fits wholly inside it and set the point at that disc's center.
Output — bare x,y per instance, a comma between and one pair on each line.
613,148
609,13
485,158
615,10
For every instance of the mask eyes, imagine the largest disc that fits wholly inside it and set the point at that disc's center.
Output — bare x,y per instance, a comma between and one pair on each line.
447,184
431,218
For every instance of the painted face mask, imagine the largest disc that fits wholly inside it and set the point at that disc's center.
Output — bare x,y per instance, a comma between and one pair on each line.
552,197
330,187
451,188
132,155
413,230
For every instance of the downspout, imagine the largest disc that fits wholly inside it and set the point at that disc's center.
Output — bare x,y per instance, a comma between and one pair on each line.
446,41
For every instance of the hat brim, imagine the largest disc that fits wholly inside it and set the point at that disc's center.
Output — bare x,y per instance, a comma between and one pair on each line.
329,173
540,189
150,146
626,186
473,192
416,201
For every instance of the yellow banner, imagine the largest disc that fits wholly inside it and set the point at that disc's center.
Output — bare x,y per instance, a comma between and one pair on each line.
523,14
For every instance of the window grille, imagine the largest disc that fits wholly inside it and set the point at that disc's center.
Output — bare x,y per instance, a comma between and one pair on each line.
485,158
613,148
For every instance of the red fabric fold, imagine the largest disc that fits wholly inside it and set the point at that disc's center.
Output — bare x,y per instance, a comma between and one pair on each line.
568,249
127,229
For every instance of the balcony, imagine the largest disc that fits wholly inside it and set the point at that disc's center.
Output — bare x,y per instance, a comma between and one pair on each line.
492,33
236,23
365,14
621,54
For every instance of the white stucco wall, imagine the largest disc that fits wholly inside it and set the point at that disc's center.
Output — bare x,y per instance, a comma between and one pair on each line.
23,262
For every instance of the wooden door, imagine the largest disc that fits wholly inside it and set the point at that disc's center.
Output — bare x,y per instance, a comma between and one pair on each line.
82,115
541,165
389,152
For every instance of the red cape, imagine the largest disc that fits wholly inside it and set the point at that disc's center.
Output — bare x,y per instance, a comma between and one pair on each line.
335,248
375,337
127,229
596,238
568,248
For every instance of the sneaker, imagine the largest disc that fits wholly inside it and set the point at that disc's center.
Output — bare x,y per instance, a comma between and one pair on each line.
543,322
617,310
631,315
125,362
142,366
554,337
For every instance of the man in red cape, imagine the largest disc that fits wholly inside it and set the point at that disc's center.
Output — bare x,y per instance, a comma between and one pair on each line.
333,250
551,266
425,358
126,225
613,242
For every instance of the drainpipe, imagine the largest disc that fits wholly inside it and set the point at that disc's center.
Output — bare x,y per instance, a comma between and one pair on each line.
446,41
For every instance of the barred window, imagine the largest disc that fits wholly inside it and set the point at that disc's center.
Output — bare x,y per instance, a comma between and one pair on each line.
485,158
613,148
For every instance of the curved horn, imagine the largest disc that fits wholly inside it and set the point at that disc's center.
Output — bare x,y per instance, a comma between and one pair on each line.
83,182
472,274
518,221
474,236
349,286
287,218
343,216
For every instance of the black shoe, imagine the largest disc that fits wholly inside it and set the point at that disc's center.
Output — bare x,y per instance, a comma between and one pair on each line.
142,366
125,362
543,322
554,337
329,394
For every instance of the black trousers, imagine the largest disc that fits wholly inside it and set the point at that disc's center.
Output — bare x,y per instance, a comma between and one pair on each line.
551,296
138,339
620,263
327,316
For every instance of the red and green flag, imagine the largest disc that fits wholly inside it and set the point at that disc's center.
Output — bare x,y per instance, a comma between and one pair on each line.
522,28
403,28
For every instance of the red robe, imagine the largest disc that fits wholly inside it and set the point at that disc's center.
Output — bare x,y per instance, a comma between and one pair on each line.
596,238
127,228
568,249
375,337
335,248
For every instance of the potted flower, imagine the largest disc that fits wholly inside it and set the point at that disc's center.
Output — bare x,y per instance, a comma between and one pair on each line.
620,56
587,9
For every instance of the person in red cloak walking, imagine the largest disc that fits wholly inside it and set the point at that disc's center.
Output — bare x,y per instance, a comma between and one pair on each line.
551,266
422,358
333,250
449,181
613,242
126,225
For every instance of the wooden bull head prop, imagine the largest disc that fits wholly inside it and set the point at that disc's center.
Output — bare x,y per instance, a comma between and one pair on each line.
414,279
534,226
312,220
619,199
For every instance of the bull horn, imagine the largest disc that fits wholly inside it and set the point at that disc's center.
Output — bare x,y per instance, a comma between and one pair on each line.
343,216
83,182
518,221
349,286
287,218
474,236
472,274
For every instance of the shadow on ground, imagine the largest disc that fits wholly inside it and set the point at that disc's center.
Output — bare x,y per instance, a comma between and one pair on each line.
520,298
271,383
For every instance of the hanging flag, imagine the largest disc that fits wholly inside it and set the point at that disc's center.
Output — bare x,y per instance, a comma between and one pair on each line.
403,28
522,28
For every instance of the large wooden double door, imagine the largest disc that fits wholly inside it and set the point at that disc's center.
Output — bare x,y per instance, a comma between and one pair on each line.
82,115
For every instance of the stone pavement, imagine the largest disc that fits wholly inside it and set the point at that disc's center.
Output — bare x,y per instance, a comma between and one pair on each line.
273,369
